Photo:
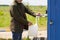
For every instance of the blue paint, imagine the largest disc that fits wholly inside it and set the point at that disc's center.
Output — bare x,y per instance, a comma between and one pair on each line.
2,30
54,15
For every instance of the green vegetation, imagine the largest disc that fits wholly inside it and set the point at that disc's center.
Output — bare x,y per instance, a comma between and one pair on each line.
11,39
5,16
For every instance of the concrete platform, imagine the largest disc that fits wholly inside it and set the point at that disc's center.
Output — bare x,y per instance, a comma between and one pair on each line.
8,35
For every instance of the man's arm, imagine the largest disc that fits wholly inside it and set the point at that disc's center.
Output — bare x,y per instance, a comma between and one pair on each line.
29,12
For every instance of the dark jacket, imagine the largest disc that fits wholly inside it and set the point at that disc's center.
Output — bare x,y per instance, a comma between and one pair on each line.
18,15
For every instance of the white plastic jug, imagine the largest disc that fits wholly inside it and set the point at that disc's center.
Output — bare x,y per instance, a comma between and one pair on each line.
33,29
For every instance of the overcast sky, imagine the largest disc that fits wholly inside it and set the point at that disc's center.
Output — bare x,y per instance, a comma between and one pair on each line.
31,2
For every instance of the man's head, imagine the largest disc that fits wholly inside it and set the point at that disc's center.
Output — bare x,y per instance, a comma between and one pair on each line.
19,1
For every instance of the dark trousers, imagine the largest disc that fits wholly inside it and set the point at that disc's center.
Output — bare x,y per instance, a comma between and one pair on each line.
16,36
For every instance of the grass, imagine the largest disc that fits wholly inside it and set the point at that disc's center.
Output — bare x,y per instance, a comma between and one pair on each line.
5,16
11,39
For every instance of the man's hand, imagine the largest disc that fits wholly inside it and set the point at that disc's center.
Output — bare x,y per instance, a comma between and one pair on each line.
29,23
38,14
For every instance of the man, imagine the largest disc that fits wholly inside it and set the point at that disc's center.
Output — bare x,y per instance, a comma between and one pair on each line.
19,21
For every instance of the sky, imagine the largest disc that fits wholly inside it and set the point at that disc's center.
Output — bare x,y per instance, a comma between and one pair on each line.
30,2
